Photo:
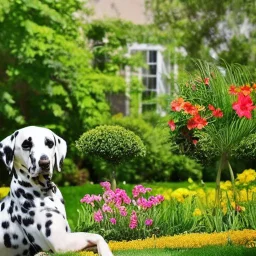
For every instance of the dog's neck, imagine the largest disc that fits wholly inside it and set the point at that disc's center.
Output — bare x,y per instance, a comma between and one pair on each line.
41,183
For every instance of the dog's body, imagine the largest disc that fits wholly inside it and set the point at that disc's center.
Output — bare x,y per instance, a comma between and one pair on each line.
32,216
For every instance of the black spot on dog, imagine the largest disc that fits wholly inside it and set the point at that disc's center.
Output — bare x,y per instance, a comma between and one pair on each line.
5,224
16,246
7,240
24,241
36,193
25,184
48,223
48,215
27,144
28,221
10,210
16,133
13,218
1,145
59,141
24,210
30,238
34,248
15,236
9,154
47,232
2,206
14,173
39,227
16,208
21,171
42,204
32,213
12,137
25,252
66,228
49,143
28,196
51,199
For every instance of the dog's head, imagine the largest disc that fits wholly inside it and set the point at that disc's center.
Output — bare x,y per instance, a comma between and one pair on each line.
36,149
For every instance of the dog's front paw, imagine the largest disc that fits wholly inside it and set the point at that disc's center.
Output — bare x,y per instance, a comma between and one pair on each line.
42,254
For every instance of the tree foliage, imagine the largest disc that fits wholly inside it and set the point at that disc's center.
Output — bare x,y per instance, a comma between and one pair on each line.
46,74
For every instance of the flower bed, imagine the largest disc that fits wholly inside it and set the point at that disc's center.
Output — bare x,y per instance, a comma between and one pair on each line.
197,240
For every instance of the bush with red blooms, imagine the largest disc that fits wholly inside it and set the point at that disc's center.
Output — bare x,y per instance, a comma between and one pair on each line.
214,115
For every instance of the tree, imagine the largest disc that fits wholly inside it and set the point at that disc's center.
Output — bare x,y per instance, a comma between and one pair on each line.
47,78
114,144
207,29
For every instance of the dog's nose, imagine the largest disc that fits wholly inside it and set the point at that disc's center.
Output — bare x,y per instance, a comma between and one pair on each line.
44,162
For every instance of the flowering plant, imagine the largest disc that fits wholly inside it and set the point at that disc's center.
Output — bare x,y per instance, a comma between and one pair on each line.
114,210
214,114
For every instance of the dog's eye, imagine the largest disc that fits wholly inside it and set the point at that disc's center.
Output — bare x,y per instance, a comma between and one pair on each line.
26,145
49,143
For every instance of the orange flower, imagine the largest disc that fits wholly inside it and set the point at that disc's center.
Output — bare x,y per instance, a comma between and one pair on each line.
177,104
254,86
196,122
190,109
233,90
172,125
246,89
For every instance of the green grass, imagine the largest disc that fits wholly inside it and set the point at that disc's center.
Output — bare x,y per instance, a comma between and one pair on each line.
205,251
72,195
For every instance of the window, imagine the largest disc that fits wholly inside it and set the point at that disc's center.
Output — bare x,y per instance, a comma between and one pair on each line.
152,75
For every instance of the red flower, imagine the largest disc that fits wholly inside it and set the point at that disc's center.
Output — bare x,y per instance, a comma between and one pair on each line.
211,107
217,113
194,142
233,90
243,106
177,104
246,89
196,122
206,81
190,109
172,125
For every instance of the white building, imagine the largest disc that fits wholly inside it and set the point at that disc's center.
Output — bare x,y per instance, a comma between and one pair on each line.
153,77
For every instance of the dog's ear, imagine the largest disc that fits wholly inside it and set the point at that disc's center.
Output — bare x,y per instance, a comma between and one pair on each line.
7,150
60,151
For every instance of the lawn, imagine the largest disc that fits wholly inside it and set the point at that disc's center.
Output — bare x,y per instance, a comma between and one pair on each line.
205,251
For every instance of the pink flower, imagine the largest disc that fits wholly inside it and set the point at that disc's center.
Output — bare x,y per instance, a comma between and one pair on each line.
106,208
90,199
98,217
113,221
106,185
122,210
148,222
133,220
243,106
121,197
139,189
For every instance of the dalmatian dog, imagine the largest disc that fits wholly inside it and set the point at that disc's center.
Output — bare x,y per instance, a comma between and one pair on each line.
32,216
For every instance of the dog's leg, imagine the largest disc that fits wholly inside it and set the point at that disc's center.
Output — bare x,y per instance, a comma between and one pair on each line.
79,241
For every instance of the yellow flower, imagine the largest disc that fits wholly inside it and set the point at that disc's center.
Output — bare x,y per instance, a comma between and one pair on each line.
246,177
197,212
194,240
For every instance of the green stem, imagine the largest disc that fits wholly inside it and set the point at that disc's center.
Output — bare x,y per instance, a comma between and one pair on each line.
113,180
218,177
232,180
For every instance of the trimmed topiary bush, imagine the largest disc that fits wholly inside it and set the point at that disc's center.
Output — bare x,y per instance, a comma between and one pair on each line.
113,143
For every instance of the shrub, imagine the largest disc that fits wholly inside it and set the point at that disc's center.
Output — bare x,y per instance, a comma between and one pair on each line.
159,164
114,144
